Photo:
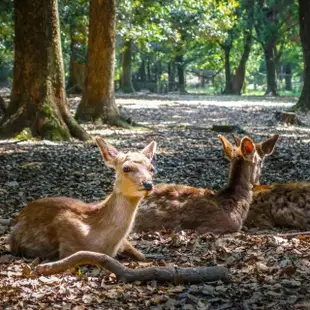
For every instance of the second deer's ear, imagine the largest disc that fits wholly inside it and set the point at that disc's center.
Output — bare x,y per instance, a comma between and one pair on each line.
268,145
109,152
247,146
227,147
236,139
150,150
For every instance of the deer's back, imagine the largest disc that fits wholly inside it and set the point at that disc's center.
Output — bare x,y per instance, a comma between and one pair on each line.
183,207
38,226
282,205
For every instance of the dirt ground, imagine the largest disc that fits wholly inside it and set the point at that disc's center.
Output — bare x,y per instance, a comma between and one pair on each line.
268,272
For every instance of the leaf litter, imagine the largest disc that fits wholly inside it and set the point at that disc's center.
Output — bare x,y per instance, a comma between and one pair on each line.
269,272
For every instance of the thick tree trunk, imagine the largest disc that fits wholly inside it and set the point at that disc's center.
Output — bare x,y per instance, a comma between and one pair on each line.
288,76
180,68
238,77
270,69
228,81
98,101
38,97
304,21
127,86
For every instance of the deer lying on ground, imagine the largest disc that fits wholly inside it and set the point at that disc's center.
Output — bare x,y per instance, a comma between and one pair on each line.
57,227
278,205
183,207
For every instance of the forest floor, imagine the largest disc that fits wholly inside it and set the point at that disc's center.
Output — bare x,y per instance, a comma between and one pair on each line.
268,272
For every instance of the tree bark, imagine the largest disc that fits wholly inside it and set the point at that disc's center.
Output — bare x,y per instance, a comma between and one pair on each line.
38,100
288,76
228,81
180,68
127,86
98,101
77,61
304,31
142,72
270,69
171,76
123,274
238,77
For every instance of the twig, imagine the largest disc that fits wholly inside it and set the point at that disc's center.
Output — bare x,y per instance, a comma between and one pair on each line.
124,274
287,235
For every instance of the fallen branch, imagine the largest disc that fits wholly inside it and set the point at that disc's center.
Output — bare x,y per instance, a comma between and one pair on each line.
124,274
287,235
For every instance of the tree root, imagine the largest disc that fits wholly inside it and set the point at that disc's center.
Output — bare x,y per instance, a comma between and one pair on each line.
127,275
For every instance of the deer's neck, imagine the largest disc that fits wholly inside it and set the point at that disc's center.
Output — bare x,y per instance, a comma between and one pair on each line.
117,211
237,195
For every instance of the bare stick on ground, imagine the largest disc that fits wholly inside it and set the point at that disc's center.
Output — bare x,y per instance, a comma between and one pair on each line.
289,235
124,274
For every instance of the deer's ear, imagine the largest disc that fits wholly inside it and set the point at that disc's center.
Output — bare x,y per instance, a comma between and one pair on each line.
236,139
109,152
227,147
247,146
268,145
149,150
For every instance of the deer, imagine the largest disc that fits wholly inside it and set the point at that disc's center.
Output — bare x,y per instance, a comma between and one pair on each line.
179,207
278,205
56,227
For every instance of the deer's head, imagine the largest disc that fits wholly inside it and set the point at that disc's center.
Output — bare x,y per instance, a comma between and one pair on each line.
134,170
252,153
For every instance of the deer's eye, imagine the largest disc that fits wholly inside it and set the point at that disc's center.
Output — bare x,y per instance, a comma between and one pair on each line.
126,169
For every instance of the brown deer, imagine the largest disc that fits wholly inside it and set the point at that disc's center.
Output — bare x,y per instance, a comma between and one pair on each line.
278,205
183,207
57,227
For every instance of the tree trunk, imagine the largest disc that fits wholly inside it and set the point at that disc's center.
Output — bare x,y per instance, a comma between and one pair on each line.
127,86
304,22
228,81
238,77
171,75
149,75
180,67
142,72
38,100
288,76
98,101
76,77
270,69
77,61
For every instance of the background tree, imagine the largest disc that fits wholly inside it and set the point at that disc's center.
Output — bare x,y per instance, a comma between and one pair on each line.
304,22
74,26
273,19
38,98
98,101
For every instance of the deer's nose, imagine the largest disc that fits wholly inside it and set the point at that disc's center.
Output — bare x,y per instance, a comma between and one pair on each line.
148,185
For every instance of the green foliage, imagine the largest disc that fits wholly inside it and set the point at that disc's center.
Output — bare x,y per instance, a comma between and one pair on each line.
6,39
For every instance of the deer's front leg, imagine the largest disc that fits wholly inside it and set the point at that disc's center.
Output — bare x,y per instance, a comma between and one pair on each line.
128,249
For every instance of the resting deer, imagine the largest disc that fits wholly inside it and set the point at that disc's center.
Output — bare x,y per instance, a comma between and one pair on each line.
57,227
183,207
281,205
